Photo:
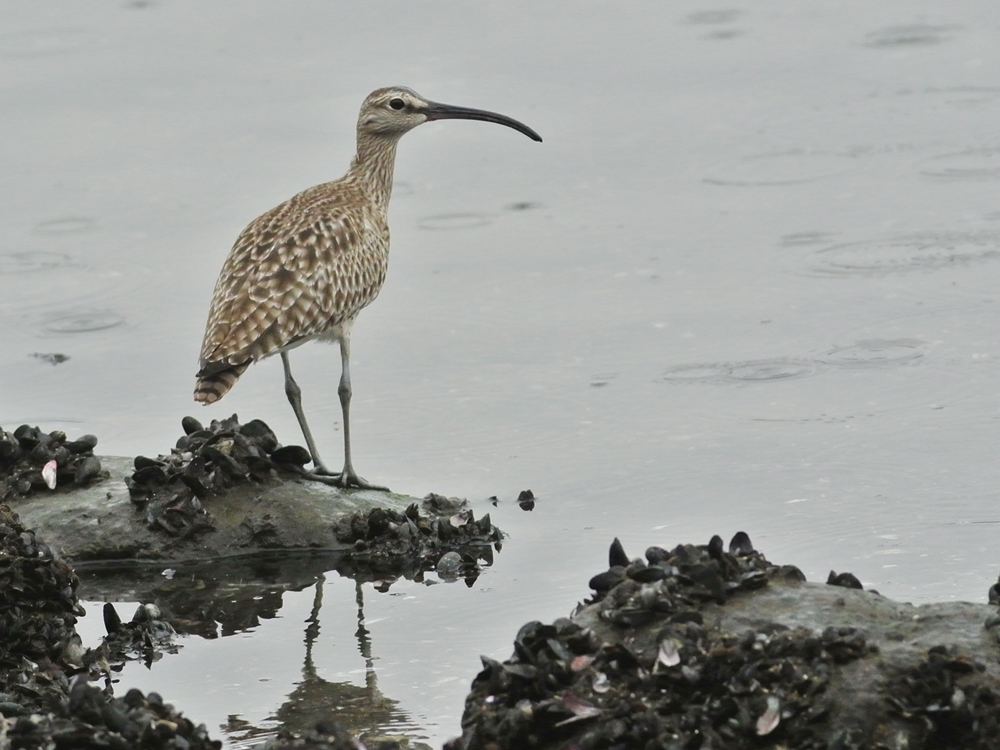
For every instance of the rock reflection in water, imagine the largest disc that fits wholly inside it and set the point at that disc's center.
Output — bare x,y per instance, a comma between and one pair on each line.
230,597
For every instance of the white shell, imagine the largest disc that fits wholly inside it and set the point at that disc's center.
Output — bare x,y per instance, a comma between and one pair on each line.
49,474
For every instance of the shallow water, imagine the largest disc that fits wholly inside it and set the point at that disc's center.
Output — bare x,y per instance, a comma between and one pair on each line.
747,282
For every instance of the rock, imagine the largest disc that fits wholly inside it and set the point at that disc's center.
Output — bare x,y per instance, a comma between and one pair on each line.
726,648
100,521
229,489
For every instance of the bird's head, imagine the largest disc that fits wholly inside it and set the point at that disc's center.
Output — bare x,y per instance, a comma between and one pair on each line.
394,111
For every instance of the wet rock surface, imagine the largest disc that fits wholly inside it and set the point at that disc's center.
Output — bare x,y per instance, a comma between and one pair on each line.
703,647
32,461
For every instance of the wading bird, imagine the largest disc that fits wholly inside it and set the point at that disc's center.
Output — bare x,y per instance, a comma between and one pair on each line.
306,268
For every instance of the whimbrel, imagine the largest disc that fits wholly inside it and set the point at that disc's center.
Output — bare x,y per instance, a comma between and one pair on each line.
306,268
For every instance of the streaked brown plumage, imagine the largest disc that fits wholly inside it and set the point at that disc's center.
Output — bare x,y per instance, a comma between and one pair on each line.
305,269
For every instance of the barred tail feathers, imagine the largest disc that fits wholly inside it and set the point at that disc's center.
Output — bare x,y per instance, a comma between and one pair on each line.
215,379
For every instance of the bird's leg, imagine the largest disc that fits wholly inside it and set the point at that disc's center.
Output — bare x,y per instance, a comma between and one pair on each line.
348,477
294,394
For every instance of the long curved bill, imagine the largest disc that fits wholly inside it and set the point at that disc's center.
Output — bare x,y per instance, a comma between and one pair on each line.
437,111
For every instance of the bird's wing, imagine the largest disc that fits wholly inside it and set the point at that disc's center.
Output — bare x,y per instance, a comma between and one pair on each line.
278,284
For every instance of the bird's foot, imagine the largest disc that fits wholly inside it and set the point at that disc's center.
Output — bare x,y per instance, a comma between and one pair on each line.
344,480
320,470
348,478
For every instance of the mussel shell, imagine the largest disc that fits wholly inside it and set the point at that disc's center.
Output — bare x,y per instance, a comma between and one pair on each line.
10,448
709,580
847,580
228,464
195,484
257,432
715,547
656,555
229,424
260,468
616,555
150,475
27,436
78,446
41,454
291,454
740,544
89,468
752,580
647,575
608,580
190,424
141,462
112,622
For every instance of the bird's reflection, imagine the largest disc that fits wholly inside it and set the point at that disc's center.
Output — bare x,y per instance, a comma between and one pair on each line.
214,600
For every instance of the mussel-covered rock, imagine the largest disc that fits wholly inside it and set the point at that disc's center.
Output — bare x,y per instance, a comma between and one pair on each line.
35,461
146,637
207,461
38,601
454,543
92,718
652,671
46,700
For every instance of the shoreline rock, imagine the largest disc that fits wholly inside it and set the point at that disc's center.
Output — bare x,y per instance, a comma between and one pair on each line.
100,522
701,648
224,491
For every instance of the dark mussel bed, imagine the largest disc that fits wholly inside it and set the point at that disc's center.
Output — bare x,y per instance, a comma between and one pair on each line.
646,663
35,461
206,462
46,699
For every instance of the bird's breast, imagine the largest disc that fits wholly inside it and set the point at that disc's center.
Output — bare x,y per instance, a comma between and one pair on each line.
354,276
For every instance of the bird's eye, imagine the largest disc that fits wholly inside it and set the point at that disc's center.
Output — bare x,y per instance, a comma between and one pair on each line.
397,103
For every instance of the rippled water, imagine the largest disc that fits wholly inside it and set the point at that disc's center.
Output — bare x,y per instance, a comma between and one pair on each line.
747,282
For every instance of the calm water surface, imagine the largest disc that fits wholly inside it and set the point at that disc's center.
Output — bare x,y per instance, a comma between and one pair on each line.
749,281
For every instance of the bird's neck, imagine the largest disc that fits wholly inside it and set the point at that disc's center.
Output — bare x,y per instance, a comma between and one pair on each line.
372,167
